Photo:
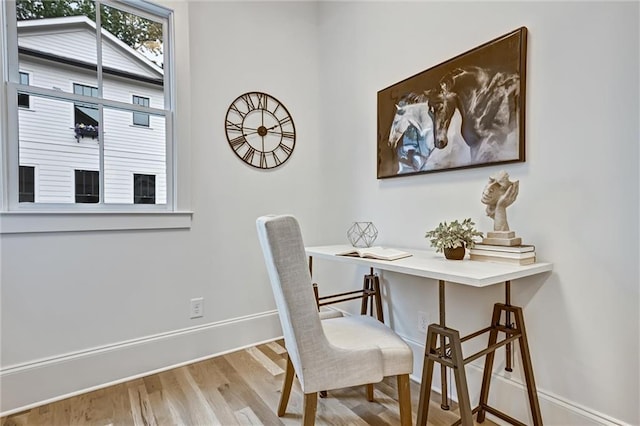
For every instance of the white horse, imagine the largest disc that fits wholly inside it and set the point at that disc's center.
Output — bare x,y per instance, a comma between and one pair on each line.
413,125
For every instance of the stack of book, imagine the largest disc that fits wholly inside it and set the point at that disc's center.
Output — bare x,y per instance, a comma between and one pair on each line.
517,255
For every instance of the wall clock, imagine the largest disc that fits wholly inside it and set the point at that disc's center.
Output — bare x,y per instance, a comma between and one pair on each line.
260,130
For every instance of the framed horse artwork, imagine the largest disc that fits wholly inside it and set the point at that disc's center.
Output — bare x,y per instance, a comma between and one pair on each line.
466,112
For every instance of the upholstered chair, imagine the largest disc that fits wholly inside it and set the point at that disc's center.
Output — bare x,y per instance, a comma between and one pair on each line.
333,353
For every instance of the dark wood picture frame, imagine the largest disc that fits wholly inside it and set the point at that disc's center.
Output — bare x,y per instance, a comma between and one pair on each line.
466,112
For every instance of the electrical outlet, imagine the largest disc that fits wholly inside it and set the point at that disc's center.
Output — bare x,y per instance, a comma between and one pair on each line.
424,320
197,307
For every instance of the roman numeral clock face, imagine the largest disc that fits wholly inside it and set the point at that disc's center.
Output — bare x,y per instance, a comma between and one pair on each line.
260,130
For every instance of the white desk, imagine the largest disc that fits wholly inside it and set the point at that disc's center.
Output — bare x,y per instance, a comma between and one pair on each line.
429,264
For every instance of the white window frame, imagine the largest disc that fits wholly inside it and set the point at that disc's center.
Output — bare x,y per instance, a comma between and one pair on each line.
133,118
28,74
73,90
75,182
18,217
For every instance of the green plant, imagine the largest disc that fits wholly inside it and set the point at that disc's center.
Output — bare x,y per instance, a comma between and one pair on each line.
454,234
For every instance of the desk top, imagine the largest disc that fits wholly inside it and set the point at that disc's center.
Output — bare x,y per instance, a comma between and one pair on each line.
430,264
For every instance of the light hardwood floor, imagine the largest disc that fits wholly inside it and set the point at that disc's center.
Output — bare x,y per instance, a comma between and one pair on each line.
240,388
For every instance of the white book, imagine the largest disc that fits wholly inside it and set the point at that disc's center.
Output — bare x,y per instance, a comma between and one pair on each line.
505,254
525,248
514,261
375,253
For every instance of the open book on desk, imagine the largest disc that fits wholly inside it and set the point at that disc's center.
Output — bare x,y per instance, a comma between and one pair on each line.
375,253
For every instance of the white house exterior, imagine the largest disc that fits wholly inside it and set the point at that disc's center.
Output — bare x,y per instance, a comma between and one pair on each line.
54,135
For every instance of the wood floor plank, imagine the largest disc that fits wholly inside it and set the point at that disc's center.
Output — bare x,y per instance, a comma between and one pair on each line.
141,411
157,399
274,356
176,400
239,388
355,399
267,387
160,408
246,417
266,362
198,403
239,394
18,419
332,410
80,412
209,379
277,348
117,400
61,413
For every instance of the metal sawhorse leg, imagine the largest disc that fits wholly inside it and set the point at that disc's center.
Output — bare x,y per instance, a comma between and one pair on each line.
449,354
370,290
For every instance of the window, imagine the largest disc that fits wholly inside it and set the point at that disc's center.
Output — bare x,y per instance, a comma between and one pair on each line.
23,99
140,118
94,80
81,89
85,115
26,191
144,189
87,186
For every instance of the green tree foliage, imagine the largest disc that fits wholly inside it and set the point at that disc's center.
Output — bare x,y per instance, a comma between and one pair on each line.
131,29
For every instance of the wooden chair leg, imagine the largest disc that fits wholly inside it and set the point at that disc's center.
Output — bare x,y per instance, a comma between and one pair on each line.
370,392
310,407
404,399
286,388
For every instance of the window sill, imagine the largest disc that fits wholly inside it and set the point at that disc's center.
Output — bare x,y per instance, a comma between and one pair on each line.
42,222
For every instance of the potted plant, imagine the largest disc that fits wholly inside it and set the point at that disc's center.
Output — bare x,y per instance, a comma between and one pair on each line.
453,237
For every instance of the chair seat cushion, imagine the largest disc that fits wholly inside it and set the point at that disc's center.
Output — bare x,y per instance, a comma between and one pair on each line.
360,331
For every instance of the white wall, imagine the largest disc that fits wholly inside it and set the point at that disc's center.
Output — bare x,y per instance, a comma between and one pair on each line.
83,309
578,197
79,293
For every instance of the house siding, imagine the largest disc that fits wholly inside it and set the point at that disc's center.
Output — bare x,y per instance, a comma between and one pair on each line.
80,44
47,139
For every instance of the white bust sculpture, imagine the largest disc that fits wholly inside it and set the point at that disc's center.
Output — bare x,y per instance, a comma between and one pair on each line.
498,194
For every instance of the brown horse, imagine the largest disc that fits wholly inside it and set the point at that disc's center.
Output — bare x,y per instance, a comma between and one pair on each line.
488,105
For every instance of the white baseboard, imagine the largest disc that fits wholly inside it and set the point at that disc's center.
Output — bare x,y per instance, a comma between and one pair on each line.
43,381
509,395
